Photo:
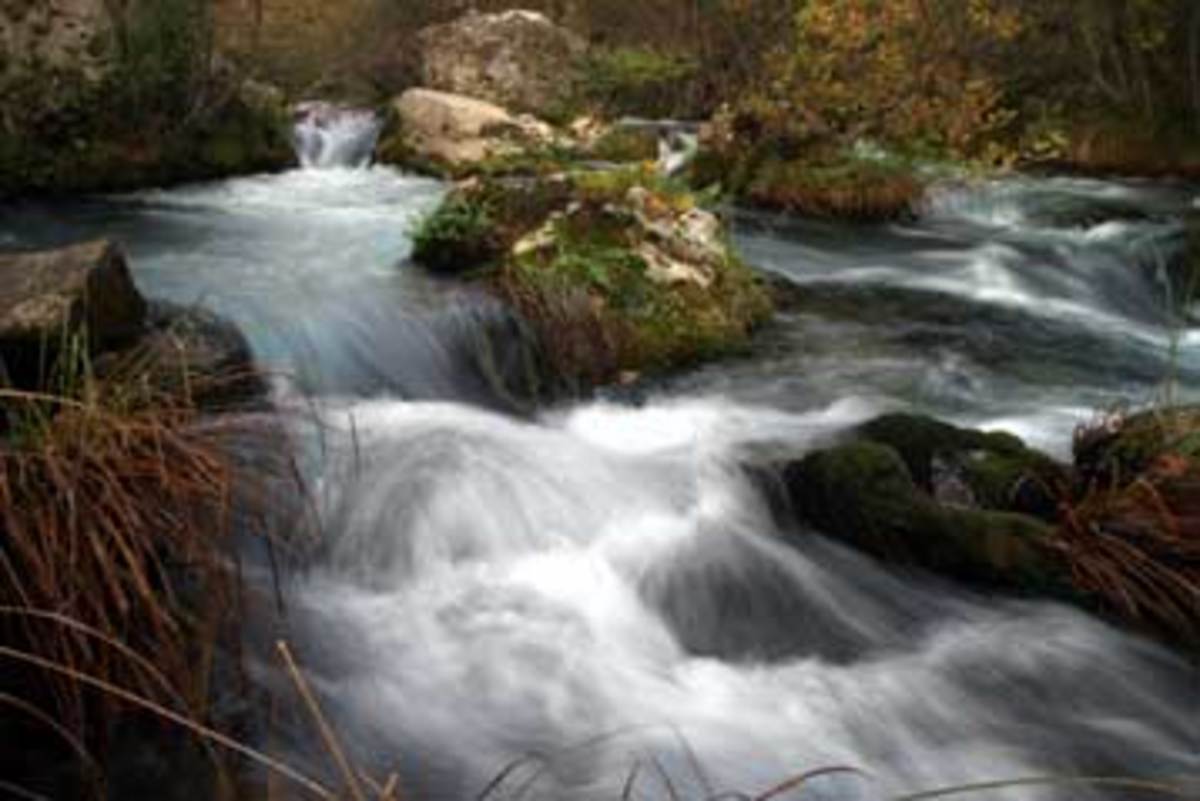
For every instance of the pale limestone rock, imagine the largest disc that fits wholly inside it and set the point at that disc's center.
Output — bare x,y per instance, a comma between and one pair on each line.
518,59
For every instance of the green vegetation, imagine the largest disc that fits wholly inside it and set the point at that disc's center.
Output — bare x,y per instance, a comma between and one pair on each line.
638,81
852,188
457,234
623,144
587,258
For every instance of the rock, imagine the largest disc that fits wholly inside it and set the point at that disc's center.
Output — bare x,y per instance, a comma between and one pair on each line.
64,36
48,298
191,353
456,130
862,493
518,59
973,469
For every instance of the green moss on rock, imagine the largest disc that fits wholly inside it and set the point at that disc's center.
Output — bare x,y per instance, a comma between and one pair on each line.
997,470
862,492
616,271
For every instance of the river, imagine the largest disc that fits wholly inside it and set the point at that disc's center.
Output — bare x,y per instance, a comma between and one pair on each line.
595,582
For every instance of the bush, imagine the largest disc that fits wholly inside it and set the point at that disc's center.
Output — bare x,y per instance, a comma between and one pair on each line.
852,189
639,81
626,144
457,236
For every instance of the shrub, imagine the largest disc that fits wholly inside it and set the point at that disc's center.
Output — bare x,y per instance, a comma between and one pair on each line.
639,81
851,189
626,144
457,236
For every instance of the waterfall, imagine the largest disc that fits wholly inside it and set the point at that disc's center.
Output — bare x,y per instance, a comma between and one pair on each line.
327,135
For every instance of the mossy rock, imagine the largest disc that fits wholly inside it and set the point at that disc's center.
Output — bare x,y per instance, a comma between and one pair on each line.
480,220
863,493
616,271
996,469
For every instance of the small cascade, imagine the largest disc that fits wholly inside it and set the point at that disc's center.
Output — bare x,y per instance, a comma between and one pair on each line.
327,135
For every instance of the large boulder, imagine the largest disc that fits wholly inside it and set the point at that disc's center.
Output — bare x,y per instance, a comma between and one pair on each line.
518,59
454,130
57,298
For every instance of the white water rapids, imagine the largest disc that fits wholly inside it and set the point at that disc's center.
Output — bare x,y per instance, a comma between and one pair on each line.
598,585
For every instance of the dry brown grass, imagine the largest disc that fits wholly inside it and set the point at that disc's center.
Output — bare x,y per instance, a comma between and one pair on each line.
117,505
861,192
1131,536
582,340
1137,548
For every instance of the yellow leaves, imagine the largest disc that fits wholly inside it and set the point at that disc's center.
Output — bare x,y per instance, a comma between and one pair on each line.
907,69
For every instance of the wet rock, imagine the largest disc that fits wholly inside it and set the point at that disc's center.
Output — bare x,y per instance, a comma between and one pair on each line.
516,58
189,353
79,303
973,469
863,493
64,298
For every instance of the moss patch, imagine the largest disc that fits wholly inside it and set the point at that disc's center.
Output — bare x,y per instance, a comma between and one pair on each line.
850,189
863,492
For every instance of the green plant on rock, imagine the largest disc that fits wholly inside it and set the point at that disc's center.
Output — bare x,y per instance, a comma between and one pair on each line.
457,236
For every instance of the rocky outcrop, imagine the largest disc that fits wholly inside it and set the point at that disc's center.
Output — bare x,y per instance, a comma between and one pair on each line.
517,59
453,130
51,298
616,273
1117,532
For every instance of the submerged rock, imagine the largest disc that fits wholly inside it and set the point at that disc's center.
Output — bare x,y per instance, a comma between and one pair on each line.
50,301
518,59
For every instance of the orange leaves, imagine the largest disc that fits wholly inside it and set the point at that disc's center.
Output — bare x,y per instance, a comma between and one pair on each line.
906,70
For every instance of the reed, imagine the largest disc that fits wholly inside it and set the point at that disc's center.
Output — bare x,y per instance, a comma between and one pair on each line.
117,506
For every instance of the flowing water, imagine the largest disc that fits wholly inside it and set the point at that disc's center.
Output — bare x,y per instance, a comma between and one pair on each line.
598,586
